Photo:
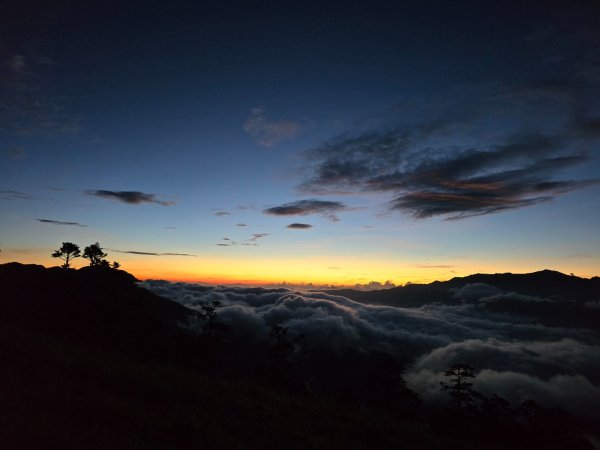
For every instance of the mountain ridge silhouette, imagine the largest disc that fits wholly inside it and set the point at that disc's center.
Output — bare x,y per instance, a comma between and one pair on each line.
546,283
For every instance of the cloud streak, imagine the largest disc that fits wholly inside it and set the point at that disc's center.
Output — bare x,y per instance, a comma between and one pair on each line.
435,266
327,209
299,226
14,195
58,222
129,197
144,253
267,132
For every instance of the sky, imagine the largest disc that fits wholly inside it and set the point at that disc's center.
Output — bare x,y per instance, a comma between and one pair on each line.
302,142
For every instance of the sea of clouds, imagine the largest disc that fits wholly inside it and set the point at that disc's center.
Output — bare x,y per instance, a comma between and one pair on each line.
515,356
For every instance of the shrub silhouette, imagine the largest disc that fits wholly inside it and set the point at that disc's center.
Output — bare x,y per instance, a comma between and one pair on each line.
67,252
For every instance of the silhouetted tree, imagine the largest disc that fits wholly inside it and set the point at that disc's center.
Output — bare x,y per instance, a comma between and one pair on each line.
209,314
460,388
115,265
95,254
67,252
282,347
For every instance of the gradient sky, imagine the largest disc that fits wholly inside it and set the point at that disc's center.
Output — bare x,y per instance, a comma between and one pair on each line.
402,141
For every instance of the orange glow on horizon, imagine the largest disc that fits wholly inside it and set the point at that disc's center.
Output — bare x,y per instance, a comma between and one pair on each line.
307,272
323,271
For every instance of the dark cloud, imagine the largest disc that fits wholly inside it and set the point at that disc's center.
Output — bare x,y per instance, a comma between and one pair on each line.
457,183
222,213
487,149
58,222
135,252
267,132
170,228
14,195
129,197
513,355
241,225
299,226
326,208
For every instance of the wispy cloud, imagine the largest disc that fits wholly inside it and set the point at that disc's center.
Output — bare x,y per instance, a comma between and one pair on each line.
144,253
59,222
328,209
299,226
250,242
268,132
435,266
14,195
462,163
222,213
129,197
241,225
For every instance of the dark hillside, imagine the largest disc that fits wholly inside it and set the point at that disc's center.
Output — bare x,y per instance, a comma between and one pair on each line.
92,361
101,307
544,284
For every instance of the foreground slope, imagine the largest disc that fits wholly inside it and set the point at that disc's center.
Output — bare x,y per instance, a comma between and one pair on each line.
91,360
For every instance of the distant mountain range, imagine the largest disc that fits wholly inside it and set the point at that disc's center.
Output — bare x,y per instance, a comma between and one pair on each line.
545,284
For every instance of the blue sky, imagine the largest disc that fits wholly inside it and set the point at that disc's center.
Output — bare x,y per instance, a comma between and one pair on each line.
448,139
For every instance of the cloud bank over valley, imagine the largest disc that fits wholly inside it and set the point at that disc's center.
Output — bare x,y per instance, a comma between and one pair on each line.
515,354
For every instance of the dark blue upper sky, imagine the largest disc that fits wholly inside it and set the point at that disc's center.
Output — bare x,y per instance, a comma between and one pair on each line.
401,115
